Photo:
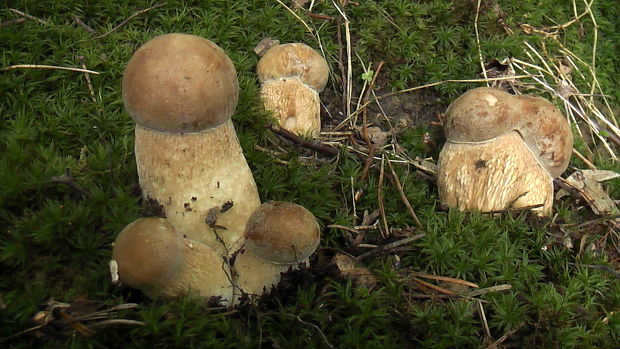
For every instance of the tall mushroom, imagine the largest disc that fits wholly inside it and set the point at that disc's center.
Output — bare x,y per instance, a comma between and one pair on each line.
181,90
292,75
278,236
150,255
502,151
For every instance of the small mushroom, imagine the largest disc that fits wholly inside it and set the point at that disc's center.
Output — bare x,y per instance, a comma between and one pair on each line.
151,256
502,151
292,75
181,90
279,235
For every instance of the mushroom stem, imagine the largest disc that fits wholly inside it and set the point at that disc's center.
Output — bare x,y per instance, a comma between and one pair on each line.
492,176
193,186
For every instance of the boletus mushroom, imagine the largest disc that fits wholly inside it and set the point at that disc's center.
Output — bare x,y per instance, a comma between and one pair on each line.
278,235
502,151
150,255
292,75
181,90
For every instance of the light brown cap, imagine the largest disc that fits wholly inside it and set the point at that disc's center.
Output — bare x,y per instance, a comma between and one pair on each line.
282,232
294,60
180,83
148,253
485,113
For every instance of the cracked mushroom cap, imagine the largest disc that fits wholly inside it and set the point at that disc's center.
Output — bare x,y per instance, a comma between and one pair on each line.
294,60
180,83
482,114
148,252
282,232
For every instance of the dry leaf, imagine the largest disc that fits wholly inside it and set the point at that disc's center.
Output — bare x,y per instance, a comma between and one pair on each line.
425,166
377,136
264,45
299,3
587,183
350,268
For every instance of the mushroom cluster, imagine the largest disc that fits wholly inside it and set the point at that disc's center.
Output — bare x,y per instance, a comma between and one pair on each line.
181,90
292,75
502,151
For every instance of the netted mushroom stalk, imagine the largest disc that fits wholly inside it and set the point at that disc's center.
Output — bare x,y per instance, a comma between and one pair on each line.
292,75
502,151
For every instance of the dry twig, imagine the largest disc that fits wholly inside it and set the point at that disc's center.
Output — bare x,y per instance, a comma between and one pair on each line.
404,197
23,14
134,15
43,66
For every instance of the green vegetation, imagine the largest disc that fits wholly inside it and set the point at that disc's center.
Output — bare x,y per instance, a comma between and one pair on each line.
55,237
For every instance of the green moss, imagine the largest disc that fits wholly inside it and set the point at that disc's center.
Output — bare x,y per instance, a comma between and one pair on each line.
55,240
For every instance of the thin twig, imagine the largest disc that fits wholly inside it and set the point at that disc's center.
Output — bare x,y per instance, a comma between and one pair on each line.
136,14
371,148
403,197
434,287
28,16
390,246
380,197
503,287
484,71
13,21
603,267
303,142
347,34
444,278
81,23
89,83
485,324
584,160
505,336
43,66
313,325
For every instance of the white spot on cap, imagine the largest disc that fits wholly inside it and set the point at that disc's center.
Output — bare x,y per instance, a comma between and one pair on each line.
492,100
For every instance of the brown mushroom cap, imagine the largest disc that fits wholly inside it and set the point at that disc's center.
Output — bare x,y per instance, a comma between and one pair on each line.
148,253
282,232
180,83
294,60
484,113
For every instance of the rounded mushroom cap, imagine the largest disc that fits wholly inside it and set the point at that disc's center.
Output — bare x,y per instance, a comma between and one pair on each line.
282,232
180,83
148,252
483,114
294,60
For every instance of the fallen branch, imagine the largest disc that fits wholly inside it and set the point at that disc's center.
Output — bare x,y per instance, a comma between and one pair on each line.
390,246
302,142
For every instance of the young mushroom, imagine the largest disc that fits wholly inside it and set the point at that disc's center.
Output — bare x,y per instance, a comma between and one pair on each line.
181,90
502,151
279,235
150,255
292,75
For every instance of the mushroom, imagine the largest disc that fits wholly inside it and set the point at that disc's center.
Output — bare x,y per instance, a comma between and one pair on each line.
150,255
181,90
278,235
292,75
502,151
